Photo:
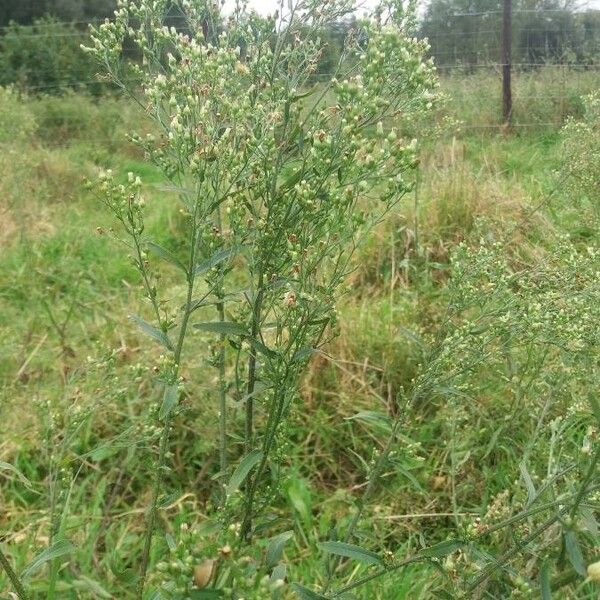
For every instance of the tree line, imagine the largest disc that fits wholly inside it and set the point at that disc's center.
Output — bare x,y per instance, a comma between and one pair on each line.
40,39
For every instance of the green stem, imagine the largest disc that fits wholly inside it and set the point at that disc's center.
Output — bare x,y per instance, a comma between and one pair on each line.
222,393
14,578
507,556
584,489
256,314
219,292
373,478
164,445
152,512
275,413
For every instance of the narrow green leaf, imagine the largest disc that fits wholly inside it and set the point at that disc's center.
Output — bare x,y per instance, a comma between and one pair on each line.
531,493
212,301
170,398
127,576
298,492
4,466
351,551
279,572
371,417
304,94
207,594
166,255
303,354
60,548
574,553
589,520
305,594
154,332
89,585
222,327
545,582
413,337
243,469
103,452
217,258
260,347
442,549
275,548
291,181
171,543
406,473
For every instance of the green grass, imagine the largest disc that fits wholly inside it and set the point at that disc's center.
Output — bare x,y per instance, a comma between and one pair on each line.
77,375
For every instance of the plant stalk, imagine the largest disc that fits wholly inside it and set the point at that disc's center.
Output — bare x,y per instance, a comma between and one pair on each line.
222,395
163,448
256,314
14,578
275,413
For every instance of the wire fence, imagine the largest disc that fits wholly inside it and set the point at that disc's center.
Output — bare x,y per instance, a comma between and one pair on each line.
550,89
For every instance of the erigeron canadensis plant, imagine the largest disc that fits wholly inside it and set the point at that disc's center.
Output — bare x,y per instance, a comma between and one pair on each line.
582,156
279,180
527,335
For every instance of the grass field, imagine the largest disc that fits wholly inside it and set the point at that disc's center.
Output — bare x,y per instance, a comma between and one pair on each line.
513,431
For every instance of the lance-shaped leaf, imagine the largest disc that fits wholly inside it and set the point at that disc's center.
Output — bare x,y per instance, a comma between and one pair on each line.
242,470
442,549
4,466
222,327
351,551
170,398
154,332
574,553
275,548
166,255
217,258
305,594
60,548
207,594
545,581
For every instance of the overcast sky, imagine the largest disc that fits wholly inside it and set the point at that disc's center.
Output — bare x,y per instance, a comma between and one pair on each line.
269,6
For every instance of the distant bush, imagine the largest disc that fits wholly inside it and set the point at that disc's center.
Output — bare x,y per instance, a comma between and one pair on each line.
46,57
16,119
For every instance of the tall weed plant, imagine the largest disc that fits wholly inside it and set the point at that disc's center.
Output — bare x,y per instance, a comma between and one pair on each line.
278,186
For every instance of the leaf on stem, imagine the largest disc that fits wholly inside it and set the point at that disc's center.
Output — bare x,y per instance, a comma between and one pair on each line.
217,258
303,354
574,553
275,548
545,582
4,466
442,549
166,255
204,595
242,470
222,327
351,551
60,548
374,418
305,594
154,332
170,398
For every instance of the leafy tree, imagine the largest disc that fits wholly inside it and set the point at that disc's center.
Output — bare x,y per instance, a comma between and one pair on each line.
25,12
46,57
468,32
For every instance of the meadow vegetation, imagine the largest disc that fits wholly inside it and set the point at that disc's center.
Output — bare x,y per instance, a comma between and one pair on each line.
455,411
